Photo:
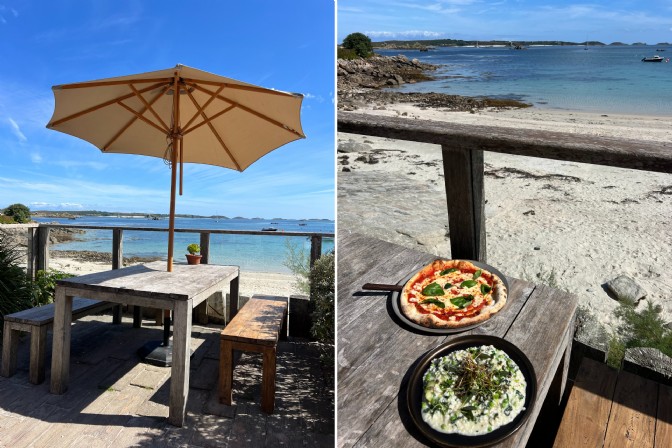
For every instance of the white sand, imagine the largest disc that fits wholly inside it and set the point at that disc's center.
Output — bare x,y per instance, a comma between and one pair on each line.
611,221
250,282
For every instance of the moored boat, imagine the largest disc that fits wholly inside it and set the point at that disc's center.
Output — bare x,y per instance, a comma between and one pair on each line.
655,58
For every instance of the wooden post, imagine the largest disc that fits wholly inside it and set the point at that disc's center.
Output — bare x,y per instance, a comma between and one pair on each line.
117,248
31,253
42,263
463,171
315,248
205,247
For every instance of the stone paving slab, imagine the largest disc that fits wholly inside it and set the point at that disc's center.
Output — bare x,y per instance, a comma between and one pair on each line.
115,400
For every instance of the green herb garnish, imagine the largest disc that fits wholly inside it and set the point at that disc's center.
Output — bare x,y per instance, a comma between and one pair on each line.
436,302
485,289
447,286
463,301
468,284
475,380
433,289
477,274
447,271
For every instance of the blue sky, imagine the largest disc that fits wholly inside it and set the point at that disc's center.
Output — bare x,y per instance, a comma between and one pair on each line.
607,21
288,46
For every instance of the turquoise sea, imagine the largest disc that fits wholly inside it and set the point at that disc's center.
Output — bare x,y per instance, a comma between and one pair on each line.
259,253
607,79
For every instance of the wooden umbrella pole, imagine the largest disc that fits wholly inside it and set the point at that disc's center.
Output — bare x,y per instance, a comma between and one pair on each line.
173,174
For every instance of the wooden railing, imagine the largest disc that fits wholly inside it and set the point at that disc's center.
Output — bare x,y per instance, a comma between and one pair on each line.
38,242
462,149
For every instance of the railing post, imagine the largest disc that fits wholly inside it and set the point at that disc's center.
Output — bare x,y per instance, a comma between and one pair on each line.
463,175
117,248
205,247
42,257
315,249
31,253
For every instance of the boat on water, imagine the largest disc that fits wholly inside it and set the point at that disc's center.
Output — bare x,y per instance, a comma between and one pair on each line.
269,229
655,58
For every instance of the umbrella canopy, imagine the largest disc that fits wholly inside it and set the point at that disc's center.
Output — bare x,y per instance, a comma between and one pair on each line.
212,120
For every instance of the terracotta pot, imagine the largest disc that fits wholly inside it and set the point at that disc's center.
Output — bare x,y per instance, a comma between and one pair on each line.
193,259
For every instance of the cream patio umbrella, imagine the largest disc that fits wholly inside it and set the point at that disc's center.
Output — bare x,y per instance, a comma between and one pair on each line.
213,120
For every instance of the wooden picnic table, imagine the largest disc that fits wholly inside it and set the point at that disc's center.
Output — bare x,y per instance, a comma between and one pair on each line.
376,355
148,285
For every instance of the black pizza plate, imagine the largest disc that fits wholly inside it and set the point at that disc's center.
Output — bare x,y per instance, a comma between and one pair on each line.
415,392
396,296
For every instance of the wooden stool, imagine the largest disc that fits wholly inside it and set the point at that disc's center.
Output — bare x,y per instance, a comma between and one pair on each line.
255,328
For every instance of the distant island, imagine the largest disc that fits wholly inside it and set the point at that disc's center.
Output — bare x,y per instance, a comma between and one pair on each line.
74,214
428,44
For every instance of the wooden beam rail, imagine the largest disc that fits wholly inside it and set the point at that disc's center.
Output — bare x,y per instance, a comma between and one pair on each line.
462,151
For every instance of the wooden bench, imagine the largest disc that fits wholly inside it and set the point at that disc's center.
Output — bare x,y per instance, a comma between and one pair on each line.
255,328
615,409
36,321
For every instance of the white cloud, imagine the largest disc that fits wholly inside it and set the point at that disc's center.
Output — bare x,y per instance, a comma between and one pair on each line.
17,130
310,96
405,34
36,158
69,164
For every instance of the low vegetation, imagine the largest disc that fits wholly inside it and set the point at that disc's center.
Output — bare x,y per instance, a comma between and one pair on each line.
359,43
16,214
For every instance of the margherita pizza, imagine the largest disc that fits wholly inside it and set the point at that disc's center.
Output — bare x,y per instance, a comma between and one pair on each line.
452,294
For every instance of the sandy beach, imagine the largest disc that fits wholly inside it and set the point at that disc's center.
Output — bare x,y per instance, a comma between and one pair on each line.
576,224
250,282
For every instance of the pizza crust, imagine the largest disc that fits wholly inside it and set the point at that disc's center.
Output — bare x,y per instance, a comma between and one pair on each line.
430,320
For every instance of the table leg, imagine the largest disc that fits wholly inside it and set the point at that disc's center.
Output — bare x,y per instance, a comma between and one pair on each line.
60,359
268,381
10,347
179,373
233,297
38,344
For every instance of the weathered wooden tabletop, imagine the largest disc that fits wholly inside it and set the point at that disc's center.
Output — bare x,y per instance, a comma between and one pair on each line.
146,285
376,355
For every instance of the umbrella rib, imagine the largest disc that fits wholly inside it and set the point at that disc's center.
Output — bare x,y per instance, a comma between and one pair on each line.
149,122
132,120
80,85
239,87
147,106
101,105
214,131
208,120
201,109
252,111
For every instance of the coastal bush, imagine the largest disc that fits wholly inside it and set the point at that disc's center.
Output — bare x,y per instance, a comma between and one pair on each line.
297,260
45,285
645,328
322,281
360,43
15,288
19,212
346,53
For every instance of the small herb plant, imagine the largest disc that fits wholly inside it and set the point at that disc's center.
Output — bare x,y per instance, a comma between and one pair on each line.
194,249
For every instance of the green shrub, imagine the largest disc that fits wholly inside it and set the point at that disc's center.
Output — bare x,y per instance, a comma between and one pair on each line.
615,353
15,288
297,260
19,212
45,285
645,328
6,220
346,53
359,43
322,281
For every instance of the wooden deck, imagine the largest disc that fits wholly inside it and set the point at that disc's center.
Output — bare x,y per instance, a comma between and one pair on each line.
114,400
607,408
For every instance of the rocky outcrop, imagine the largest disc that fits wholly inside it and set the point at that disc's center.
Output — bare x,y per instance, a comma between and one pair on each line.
380,71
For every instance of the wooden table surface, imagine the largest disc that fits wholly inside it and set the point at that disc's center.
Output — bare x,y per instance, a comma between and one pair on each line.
376,355
147,285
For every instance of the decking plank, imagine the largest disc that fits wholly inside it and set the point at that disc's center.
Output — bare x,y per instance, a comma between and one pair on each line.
632,419
664,417
585,419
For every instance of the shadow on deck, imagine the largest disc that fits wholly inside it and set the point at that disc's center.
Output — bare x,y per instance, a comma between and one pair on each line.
116,400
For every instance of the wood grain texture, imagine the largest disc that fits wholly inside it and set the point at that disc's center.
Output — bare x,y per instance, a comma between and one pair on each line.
117,248
44,315
632,418
463,176
593,149
376,354
664,417
584,422
258,322
60,360
179,371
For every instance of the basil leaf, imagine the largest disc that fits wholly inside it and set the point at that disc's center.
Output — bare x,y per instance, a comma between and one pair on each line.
447,286
485,289
463,301
477,274
433,289
436,302
468,284
447,271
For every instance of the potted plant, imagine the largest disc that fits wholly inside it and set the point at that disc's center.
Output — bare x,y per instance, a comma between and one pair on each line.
194,257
